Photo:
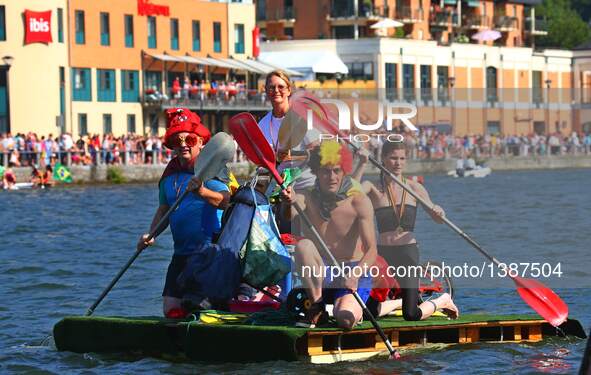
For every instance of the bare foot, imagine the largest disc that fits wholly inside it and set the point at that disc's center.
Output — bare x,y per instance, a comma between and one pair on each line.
450,309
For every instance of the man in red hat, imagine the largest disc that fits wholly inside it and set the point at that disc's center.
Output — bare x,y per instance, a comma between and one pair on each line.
198,216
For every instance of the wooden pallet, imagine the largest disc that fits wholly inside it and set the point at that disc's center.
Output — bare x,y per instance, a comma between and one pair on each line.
334,346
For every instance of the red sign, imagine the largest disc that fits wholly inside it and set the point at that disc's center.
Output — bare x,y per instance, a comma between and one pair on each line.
256,47
145,8
37,27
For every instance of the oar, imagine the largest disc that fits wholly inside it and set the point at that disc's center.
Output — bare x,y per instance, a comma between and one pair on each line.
251,140
213,157
538,296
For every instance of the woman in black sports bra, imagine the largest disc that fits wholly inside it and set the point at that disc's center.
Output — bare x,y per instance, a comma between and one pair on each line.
396,212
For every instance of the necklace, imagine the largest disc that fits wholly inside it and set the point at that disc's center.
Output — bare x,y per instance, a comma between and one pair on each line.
177,187
392,199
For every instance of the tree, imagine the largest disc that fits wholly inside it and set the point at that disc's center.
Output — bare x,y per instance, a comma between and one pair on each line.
566,28
583,7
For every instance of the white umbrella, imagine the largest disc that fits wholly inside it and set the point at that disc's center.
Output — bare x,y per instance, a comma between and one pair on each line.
386,23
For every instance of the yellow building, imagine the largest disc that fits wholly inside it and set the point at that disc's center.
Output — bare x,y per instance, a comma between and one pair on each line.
34,76
92,74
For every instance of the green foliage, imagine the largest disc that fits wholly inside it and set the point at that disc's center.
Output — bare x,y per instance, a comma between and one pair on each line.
566,28
115,175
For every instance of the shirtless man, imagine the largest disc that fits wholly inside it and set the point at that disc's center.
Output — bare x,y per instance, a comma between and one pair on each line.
343,216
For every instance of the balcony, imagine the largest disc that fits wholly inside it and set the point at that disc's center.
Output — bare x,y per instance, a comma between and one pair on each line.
342,9
506,23
409,15
281,14
536,26
444,19
477,22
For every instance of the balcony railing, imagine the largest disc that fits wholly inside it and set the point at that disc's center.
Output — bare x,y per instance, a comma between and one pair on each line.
409,15
506,23
287,13
537,26
444,18
477,21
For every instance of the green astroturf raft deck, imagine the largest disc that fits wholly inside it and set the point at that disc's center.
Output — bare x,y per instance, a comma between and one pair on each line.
165,337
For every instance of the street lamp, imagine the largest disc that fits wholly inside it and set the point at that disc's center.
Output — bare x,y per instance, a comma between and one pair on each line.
548,82
452,82
8,60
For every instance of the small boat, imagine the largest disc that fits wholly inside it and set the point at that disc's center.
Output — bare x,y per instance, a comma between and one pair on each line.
20,186
209,338
477,172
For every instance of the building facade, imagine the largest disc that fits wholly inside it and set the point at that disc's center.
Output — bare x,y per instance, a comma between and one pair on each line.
473,89
444,21
92,74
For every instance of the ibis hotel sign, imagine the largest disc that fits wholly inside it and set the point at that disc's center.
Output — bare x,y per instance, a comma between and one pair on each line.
37,27
146,8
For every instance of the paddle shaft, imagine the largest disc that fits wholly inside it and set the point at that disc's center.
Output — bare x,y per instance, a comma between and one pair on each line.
151,235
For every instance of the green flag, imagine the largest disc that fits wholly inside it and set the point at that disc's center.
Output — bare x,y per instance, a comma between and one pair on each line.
61,173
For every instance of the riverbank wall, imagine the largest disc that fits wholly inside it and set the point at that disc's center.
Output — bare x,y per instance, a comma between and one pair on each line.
151,173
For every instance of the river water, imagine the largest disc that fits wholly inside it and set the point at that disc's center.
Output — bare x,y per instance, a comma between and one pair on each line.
59,248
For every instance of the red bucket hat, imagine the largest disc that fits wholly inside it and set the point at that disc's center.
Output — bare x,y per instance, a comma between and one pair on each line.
180,120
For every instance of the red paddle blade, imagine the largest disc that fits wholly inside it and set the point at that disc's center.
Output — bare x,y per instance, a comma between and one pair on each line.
253,143
543,300
305,104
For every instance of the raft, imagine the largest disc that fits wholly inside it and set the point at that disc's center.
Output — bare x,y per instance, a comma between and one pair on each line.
194,341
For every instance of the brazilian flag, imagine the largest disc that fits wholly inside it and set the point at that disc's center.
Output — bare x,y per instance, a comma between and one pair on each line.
61,173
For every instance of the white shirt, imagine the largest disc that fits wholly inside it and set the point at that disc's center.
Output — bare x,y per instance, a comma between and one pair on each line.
270,127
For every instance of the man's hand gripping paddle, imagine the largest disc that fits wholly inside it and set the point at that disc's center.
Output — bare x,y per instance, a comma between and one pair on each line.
251,140
538,296
213,157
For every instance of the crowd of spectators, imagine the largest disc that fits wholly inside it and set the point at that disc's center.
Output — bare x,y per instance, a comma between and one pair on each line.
203,90
31,149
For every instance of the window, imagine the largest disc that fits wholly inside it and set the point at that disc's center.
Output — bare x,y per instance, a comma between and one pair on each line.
80,28
82,124
288,32
131,123
174,33
2,23
81,90
343,32
493,127
129,86
238,38
153,119
151,32
491,84
442,83
60,25
105,29
217,37
261,10
106,85
408,81
360,70
196,36
426,82
153,80
391,81
107,123
128,21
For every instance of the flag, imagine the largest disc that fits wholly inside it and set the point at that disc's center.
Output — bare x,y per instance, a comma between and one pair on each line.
61,173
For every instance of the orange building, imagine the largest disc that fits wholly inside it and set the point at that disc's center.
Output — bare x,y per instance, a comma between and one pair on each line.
440,20
122,51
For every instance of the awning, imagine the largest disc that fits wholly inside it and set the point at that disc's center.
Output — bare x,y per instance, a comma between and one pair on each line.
306,61
253,66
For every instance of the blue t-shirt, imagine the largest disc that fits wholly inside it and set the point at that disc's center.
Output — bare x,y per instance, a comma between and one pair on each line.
195,221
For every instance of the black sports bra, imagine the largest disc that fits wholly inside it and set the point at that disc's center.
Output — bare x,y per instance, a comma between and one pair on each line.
387,221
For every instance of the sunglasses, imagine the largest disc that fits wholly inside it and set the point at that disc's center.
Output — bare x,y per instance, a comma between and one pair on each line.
281,88
190,140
